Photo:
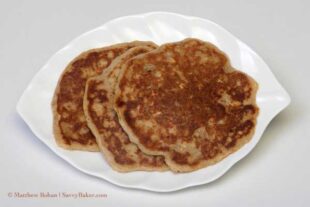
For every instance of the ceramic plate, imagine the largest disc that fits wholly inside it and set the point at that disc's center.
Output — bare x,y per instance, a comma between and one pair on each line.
35,104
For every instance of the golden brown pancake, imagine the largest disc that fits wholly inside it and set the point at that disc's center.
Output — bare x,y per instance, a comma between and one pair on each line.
184,101
70,128
113,142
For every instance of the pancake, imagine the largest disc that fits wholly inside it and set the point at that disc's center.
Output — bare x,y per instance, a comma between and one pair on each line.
184,101
113,142
69,124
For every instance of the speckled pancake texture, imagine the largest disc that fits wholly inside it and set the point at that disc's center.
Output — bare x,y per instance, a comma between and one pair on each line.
113,142
184,101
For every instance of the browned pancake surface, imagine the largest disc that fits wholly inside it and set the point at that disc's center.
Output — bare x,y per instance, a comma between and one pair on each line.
114,143
70,128
184,101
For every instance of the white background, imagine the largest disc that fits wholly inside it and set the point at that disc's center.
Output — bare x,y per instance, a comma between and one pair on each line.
277,171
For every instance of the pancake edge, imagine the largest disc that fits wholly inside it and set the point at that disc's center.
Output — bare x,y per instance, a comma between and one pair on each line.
105,152
60,141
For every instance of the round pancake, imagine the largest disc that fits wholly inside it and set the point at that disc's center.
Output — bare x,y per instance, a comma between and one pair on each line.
113,142
184,101
70,128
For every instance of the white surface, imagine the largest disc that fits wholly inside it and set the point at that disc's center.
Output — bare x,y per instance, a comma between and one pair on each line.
159,27
276,173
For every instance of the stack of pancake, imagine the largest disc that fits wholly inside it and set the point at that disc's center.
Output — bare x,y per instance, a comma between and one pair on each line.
179,106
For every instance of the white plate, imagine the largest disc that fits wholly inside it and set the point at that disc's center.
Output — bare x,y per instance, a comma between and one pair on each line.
35,104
